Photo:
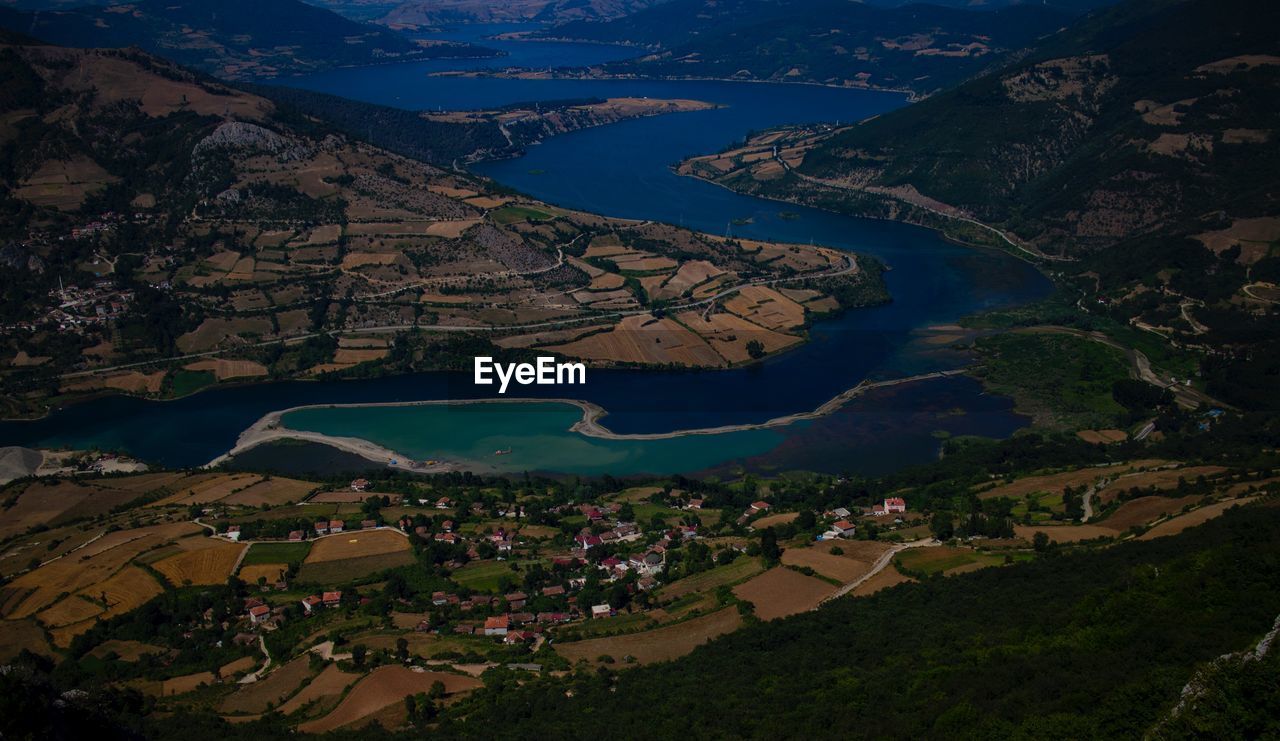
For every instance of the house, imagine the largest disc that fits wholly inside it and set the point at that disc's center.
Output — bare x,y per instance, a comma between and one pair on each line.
840,512
877,510
760,506
587,541
553,591
258,614
309,604
497,625
647,583
368,524
688,531
601,611
516,600
520,618
895,505
332,599
446,538
844,528
295,535
322,528
439,598
233,532
360,485
335,526
517,637
447,526
444,503
694,504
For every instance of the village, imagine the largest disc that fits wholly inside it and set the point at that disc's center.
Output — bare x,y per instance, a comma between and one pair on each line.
609,550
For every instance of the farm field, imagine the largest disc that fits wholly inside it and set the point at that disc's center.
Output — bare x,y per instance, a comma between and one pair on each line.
741,568
187,683
346,569
125,650
843,568
1142,510
329,683
660,644
47,503
384,686
205,490
269,573
1175,525
356,544
1055,482
944,560
484,576
273,491
276,687
276,553
889,576
35,590
208,563
780,592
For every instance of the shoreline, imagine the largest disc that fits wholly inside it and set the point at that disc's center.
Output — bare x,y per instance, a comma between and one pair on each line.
270,427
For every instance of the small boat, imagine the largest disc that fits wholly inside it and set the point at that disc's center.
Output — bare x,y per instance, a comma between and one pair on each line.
502,452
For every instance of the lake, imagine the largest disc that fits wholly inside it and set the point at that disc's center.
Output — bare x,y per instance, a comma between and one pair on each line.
624,170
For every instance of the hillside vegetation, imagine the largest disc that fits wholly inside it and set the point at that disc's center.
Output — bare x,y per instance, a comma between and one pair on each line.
232,38
922,48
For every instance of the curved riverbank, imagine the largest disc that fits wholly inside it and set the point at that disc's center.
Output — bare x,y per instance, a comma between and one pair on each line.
271,427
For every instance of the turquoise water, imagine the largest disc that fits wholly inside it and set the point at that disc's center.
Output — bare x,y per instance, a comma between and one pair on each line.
536,434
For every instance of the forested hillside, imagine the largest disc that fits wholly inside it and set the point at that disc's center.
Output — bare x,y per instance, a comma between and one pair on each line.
922,48
232,38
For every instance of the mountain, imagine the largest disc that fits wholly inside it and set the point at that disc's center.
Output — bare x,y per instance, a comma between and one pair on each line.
1136,147
439,12
922,48
232,38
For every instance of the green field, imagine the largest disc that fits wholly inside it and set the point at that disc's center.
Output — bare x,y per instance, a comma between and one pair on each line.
740,569
1051,501
513,214
335,573
276,553
484,576
188,382
930,561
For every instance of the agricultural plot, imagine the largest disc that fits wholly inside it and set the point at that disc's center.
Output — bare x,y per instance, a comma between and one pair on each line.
126,590
729,335
843,568
1142,510
276,553
35,590
43,503
644,339
346,569
205,489
1175,525
209,563
889,576
357,544
660,644
384,686
271,690
781,591
324,691
944,560
264,573
1055,482
188,683
273,491
742,568
484,576
125,650
766,307
16,635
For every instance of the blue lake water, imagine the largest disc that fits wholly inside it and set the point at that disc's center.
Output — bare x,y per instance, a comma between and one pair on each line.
624,170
